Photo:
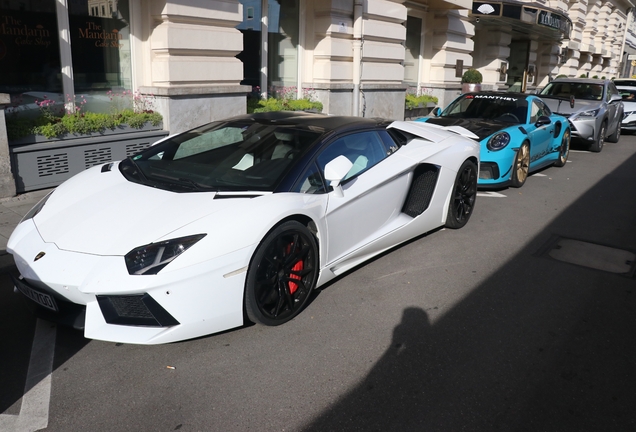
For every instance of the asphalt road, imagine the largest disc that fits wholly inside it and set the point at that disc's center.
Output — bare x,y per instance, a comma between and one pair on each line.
479,329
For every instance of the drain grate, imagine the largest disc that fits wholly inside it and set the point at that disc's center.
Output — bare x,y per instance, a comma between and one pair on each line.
599,257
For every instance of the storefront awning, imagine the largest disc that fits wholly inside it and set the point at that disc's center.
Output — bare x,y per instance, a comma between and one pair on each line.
529,18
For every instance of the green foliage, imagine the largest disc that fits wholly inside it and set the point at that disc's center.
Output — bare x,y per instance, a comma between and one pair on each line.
583,76
562,76
595,77
85,123
127,108
274,104
472,76
413,101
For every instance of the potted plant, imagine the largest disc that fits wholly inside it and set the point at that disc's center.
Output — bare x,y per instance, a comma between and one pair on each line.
471,81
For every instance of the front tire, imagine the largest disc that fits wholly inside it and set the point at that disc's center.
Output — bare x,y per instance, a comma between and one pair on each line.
613,138
463,196
597,146
564,150
282,274
521,166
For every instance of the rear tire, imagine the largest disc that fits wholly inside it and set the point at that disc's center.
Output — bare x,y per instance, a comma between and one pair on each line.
463,196
564,150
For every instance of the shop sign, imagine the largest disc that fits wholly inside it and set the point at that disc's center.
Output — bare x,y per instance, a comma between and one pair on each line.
550,19
103,38
23,33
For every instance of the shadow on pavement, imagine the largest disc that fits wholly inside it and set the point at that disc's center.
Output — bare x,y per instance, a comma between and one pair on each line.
17,327
542,345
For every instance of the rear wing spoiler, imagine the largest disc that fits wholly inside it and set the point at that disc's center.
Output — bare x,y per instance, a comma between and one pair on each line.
432,132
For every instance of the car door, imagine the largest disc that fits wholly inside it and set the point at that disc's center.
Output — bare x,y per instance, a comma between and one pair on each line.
540,135
613,108
373,192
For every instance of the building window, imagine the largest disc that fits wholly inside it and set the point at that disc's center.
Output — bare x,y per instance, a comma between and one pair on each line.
282,41
412,50
99,55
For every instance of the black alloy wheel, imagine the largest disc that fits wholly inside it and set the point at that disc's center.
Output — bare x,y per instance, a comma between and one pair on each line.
464,195
564,149
282,274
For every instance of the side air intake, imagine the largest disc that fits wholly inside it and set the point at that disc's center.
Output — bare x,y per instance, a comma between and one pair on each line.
421,191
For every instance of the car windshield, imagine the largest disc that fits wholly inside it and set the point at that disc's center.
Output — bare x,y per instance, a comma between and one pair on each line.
241,155
580,90
509,109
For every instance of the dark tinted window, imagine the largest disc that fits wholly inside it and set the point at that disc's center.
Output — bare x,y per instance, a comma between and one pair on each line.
226,156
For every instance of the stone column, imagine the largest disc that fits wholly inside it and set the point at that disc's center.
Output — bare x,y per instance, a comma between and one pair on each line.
190,62
7,181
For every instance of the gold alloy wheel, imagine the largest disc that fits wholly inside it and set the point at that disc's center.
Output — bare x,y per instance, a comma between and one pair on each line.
522,163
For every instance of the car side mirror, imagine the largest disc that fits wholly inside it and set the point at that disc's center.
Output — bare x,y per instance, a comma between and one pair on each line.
436,111
542,121
335,171
615,98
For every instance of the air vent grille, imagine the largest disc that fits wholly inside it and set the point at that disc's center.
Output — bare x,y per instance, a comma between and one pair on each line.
52,164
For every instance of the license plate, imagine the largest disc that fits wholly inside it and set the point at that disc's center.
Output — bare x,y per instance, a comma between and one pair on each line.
39,297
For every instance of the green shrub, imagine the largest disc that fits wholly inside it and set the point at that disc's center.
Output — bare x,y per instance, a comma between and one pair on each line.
413,101
86,123
562,76
472,76
274,104
583,76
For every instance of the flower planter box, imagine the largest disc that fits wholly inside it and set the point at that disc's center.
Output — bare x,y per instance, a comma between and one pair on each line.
39,162
421,111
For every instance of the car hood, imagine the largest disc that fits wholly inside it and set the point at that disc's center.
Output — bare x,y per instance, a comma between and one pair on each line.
629,106
481,128
102,213
562,106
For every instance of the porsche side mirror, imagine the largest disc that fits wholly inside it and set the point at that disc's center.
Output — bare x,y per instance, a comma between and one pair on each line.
335,171
436,111
542,121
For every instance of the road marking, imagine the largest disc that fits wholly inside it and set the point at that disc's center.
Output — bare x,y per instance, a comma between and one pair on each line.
34,412
539,175
579,151
491,194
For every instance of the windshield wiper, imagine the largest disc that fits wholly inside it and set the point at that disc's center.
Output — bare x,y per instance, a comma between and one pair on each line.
189,182
141,173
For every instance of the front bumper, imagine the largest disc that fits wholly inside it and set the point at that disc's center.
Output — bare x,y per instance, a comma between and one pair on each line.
583,129
495,168
197,300
629,122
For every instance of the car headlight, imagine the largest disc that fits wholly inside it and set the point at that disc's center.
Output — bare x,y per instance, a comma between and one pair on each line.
498,141
36,208
589,113
628,113
151,258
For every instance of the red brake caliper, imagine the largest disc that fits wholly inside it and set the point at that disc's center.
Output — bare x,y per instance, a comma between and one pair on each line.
296,268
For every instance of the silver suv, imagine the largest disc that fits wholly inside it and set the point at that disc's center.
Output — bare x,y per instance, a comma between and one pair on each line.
593,107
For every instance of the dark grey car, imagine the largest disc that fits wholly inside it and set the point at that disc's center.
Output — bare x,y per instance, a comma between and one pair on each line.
593,107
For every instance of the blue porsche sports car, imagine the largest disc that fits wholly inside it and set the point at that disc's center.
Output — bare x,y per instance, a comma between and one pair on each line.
518,134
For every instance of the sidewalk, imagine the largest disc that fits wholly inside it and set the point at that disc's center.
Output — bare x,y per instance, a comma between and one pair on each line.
11,212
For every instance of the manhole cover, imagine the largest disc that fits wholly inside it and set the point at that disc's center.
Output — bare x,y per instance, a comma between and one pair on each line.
592,255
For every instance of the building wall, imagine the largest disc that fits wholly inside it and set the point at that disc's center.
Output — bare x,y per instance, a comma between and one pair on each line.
190,62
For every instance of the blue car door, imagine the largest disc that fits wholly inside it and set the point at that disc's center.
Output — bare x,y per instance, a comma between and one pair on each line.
540,135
